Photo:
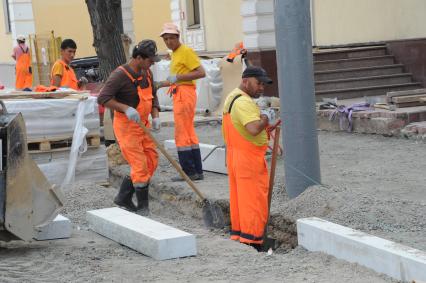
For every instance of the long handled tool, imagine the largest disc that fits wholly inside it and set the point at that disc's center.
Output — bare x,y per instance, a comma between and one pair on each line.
212,213
267,241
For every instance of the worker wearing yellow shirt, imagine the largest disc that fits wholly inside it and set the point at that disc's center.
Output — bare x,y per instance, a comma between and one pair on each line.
246,140
62,74
185,68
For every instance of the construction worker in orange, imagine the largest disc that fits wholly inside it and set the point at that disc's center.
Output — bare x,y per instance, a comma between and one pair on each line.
62,74
244,131
21,54
185,68
238,50
130,93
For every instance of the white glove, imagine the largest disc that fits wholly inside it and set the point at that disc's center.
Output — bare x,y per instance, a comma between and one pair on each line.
270,113
132,114
172,79
156,124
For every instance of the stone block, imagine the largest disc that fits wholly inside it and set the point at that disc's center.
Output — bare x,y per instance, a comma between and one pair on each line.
395,260
142,234
216,160
59,228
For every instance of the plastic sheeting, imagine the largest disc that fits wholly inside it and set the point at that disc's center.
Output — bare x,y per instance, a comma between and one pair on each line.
50,119
209,88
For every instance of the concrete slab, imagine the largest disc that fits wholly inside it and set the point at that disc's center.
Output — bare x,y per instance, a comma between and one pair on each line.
144,235
395,260
216,160
59,228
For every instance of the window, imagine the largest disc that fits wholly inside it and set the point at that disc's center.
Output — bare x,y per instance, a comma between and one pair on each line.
6,16
193,13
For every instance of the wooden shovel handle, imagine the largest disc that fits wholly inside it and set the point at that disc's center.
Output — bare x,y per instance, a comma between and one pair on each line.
172,161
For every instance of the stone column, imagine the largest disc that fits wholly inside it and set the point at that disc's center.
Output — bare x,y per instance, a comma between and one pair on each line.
128,29
259,37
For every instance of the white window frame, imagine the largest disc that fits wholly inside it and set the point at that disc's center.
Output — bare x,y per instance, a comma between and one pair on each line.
6,11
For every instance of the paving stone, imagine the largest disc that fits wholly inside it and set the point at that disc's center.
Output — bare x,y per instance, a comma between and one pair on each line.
142,234
395,260
59,228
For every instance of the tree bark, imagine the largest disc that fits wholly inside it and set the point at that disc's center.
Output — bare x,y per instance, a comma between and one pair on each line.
107,25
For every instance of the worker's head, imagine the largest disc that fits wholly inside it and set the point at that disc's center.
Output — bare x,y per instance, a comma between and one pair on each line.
68,49
254,80
20,39
170,35
145,53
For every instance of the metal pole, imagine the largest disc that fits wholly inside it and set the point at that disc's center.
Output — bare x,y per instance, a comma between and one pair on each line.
297,99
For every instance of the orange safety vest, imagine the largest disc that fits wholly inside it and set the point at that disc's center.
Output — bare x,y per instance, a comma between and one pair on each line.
238,49
69,78
24,78
248,184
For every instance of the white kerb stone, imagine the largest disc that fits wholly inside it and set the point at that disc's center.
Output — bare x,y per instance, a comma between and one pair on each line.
59,228
142,234
393,259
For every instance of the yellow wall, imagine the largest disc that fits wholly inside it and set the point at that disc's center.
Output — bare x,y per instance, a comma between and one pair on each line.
68,19
148,19
6,44
222,23
349,21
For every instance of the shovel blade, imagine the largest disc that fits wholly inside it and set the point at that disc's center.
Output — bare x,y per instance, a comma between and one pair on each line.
213,215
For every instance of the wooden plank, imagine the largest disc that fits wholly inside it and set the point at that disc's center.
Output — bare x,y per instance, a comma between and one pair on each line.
54,145
409,104
406,92
408,98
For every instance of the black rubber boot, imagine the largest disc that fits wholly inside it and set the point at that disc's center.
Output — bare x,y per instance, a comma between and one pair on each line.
142,195
198,163
186,161
125,194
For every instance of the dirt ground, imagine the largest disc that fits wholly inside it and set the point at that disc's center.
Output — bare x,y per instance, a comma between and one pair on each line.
371,183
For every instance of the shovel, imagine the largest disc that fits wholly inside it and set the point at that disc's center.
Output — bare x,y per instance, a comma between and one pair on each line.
212,213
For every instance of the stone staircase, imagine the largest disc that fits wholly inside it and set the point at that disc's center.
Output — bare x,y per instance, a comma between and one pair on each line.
357,72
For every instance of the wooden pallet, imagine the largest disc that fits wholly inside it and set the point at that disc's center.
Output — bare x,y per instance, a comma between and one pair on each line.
57,145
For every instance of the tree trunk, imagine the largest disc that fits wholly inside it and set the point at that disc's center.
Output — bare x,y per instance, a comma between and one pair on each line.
107,24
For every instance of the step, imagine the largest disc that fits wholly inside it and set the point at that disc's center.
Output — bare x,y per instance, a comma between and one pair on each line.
359,72
348,53
354,63
363,82
364,91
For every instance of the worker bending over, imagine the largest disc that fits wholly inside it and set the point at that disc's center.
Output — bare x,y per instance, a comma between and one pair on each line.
185,68
21,54
246,142
62,74
129,92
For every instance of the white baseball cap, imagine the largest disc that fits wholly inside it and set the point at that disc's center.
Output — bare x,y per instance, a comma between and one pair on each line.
21,37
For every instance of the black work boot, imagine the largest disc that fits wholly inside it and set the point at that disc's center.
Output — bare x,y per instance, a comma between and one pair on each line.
142,195
186,161
198,163
125,194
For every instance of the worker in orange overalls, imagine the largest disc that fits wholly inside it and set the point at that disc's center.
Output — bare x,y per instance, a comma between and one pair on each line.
238,50
62,74
185,68
246,140
21,54
129,92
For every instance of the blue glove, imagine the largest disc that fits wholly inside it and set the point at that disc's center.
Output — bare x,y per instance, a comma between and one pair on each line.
172,79
132,114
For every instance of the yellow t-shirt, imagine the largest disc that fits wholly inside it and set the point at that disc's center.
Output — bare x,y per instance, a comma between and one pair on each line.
245,110
57,69
184,60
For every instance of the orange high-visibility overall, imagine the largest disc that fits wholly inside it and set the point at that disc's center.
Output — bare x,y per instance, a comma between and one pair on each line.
136,146
24,77
184,102
69,78
248,185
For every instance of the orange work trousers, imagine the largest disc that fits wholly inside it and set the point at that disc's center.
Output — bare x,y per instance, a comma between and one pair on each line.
184,102
24,78
248,185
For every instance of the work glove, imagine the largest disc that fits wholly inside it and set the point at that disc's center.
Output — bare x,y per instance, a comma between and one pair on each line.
270,113
156,124
132,114
172,79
